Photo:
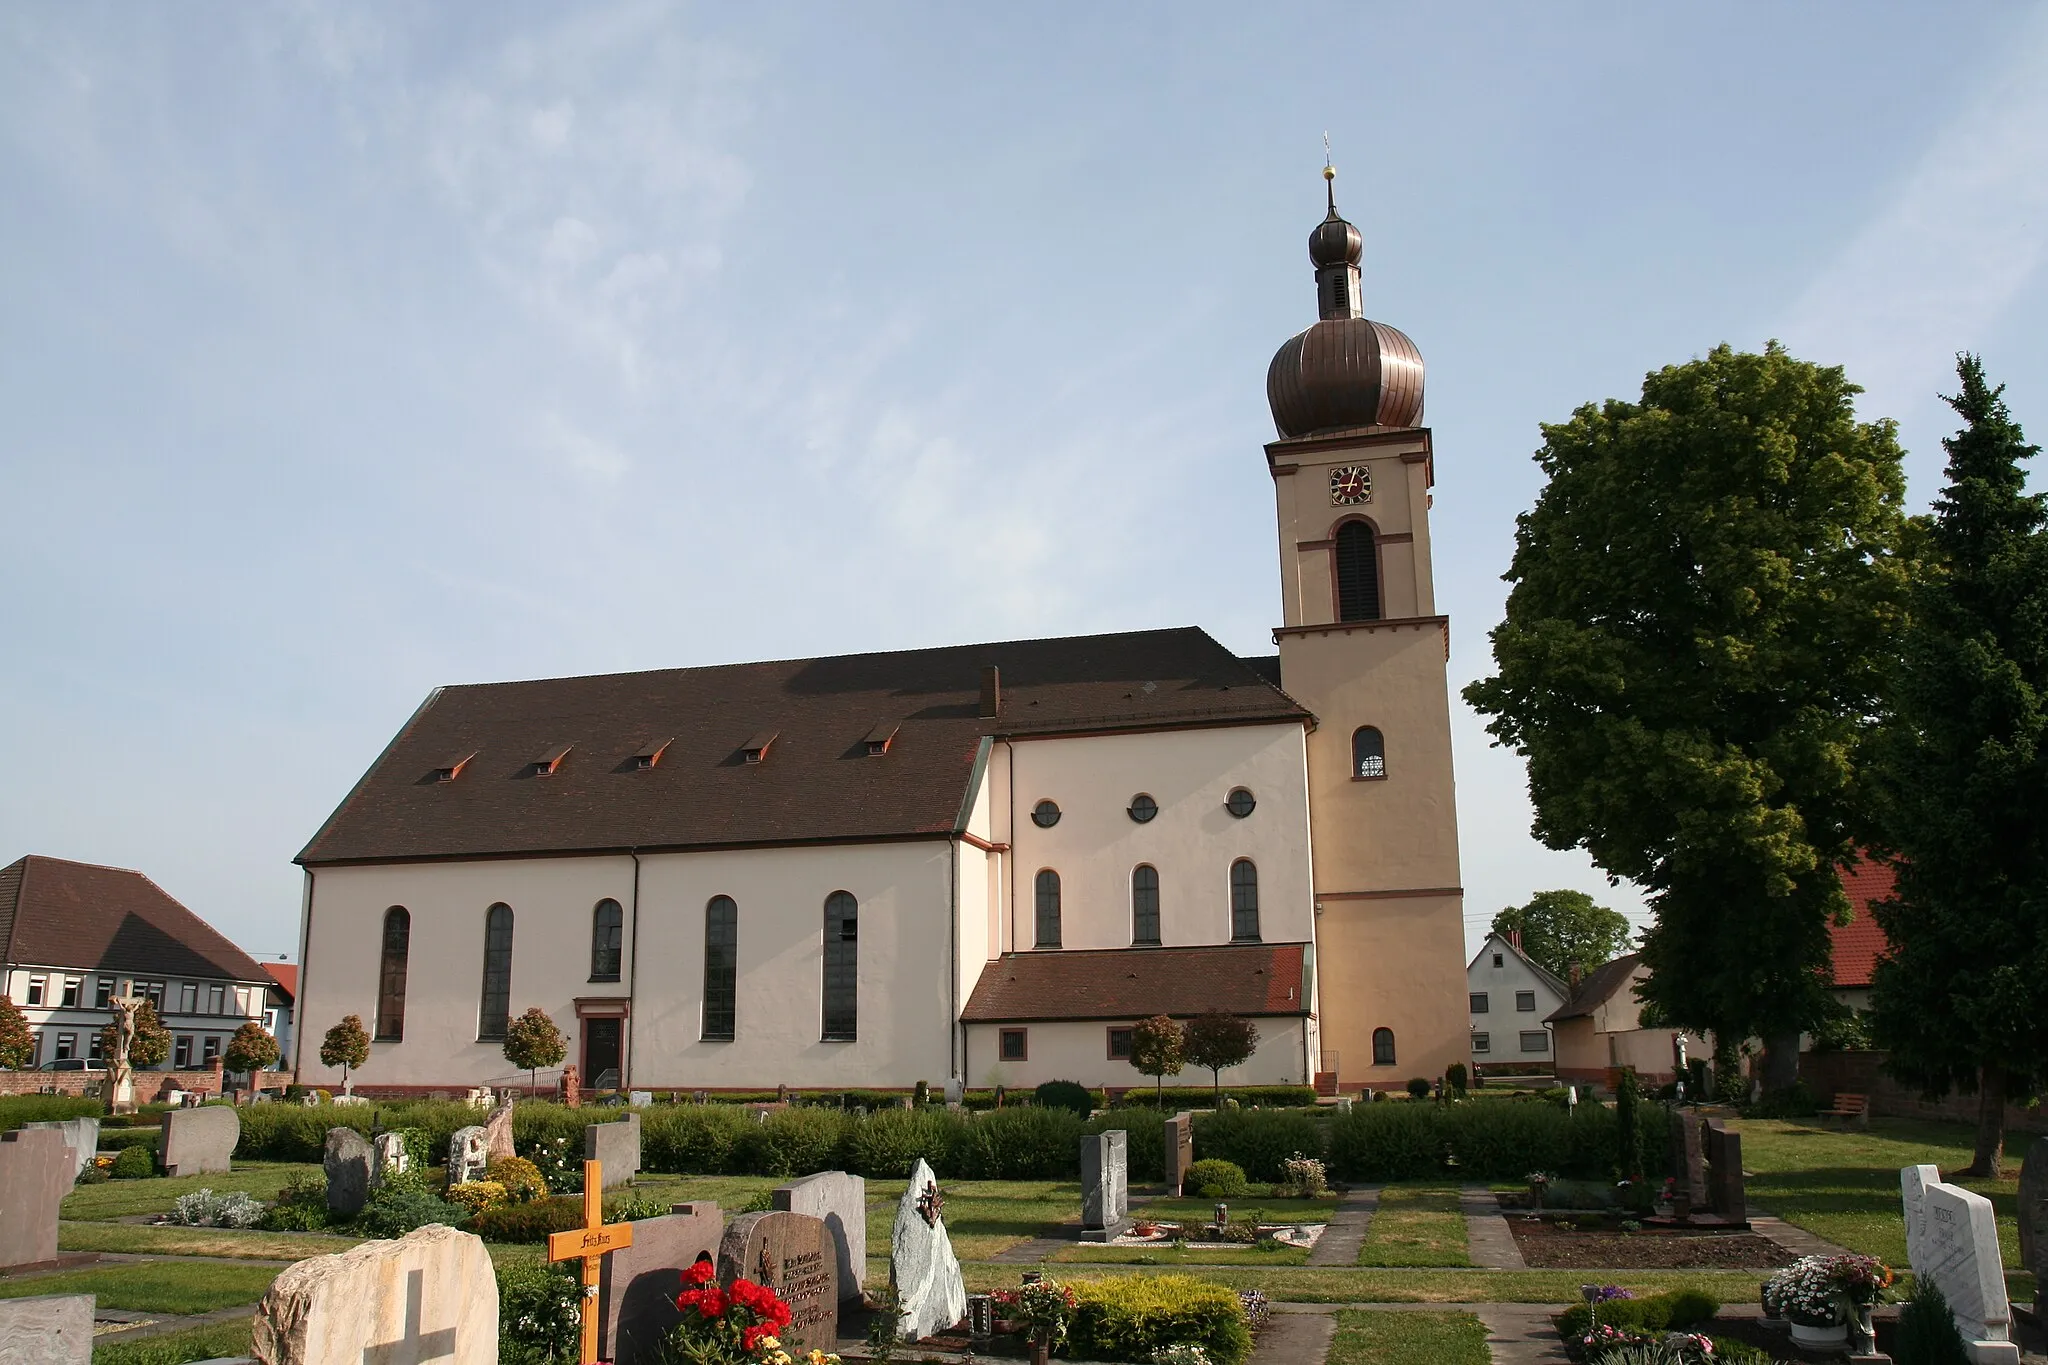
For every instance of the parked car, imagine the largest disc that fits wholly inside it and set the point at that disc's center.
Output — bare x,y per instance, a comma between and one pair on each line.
66,1064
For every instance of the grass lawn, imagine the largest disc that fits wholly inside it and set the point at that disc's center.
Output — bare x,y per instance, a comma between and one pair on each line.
1401,1338
983,1217
1416,1225
730,1192
1086,1253
220,1341
1306,1284
177,1241
154,1286
123,1198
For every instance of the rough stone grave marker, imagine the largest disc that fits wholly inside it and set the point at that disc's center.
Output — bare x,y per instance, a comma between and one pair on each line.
1105,1185
81,1135
199,1141
840,1201
36,1172
2033,1217
1180,1151
617,1145
637,1285
428,1297
469,1152
347,1161
1956,1247
498,1132
792,1254
931,1295
49,1329
390,1159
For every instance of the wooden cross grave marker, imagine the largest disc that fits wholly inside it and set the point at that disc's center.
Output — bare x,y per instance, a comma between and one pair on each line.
589,1244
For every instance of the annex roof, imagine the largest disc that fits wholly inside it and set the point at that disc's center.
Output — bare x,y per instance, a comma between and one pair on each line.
57,913
1596,988
1250,979
817,782
1502,943
286,975
1857,945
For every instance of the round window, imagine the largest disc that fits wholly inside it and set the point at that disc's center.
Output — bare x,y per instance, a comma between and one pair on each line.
1143,808
1240,802
1045,814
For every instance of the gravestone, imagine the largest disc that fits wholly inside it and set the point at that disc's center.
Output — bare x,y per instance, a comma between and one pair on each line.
956,1091
1180,1151
348,1161
617,1145
931,1296
1688,1163
469,1152
199,1141
840,1201
1956,1246
498,1132
792,1254
1105,1189
640,1099
81,1135
429,1296
36,1172
1726,1195
390,1161
638,1284
49,1329
2033,1217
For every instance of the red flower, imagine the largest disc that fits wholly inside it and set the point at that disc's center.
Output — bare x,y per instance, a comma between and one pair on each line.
688,1298
712,1304
751,1338
699,1273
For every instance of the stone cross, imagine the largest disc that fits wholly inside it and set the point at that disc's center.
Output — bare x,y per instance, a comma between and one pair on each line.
589,1244
390,1160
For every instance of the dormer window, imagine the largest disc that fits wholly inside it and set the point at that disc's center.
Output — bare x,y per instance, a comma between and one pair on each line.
550,759
449,769
878,738
756,749
649,754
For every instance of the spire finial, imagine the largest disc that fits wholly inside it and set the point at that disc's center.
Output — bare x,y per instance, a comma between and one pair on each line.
1329,174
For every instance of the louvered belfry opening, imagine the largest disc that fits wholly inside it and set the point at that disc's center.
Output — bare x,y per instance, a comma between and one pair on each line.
1358,573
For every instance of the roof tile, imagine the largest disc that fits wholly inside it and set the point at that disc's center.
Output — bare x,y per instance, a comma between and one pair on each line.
1251,979
89,917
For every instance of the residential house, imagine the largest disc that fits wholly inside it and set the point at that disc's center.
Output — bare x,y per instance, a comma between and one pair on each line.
1511,995
1599,1030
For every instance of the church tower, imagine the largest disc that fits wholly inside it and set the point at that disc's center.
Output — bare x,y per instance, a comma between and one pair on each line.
1362,646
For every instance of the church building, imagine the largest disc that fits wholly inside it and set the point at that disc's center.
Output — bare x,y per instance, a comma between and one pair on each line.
980,863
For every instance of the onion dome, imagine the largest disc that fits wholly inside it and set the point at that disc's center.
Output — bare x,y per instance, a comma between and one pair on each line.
1346,371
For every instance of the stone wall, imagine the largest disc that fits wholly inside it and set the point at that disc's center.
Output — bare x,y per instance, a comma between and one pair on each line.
1827,1074
149,1085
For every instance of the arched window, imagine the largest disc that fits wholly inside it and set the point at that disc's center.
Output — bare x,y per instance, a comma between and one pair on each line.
1244,901
1145,904
606,923
1383,1047
1368,752
842,968
722,968
1048,889
495,1010
1358,573
391,975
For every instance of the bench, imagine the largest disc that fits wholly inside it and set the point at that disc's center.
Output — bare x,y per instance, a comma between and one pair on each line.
1848,1106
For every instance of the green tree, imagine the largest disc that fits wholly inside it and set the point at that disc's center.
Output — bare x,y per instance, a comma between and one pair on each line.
1961,1000
1559,928
532,1041
1217,1041
17,1041
1158,1050
251,1049
150,1046
346,1046
1704,595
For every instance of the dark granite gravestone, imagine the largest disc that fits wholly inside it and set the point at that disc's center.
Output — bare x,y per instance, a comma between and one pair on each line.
841,1200
1105,1165
199,1141
1726,1197
2033,1217
36,1171
637,1286
791,1253
617,1145
1688,1163
347,1160
1180,1151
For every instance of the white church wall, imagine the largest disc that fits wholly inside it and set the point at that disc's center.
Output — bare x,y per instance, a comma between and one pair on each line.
975,895
1192,841
1078,1050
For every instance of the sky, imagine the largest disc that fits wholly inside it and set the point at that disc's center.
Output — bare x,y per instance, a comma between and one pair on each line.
348,350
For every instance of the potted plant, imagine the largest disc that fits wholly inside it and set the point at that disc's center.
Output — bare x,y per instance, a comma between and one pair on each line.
1818,1295
1040,1311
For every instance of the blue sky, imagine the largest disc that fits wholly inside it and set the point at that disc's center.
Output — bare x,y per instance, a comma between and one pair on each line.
356,349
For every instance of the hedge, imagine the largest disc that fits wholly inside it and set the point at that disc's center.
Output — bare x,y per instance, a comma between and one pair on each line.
1132,1317
1490,1139
15,1110
1258,1140
1178,1097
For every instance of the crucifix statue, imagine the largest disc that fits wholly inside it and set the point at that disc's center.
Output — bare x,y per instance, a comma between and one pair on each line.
120,1075
589,1244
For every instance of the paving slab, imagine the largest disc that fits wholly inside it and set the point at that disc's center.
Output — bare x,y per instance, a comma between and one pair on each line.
1488,1241
1345,1236
1518,1333
1796,1240
1295,1339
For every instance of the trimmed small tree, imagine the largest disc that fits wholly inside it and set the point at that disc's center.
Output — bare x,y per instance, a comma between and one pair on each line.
1217,1041
1158,1050
17,1042
346,1046
251,1049
532,1041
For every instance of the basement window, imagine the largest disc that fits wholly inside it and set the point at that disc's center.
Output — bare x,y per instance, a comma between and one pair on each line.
550,759
756,749
649,754
450,768
878,738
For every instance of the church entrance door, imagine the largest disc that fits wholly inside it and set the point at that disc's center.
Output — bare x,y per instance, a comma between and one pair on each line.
601,1053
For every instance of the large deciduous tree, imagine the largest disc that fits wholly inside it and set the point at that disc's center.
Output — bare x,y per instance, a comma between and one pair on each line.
1559,928
1694,644
1961,779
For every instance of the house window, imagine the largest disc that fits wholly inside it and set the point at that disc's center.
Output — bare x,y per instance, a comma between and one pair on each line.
211,1051
36,986
1525,1002
103,993
95,1046
1045,814
1047,890
390,976
607,923
1496,961
1142,808
1240,802
721,968
214,997
1536,1041
1015,1045
1383,1047
188,994
67,1046
1482,1042
1368,753
1120,1045
1244,902
842,967
1479,1002
1358,573
181,1053
494,1010
1145,904
152,991
71,985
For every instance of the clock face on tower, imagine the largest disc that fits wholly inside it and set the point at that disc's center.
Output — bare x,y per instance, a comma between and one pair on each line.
1350,484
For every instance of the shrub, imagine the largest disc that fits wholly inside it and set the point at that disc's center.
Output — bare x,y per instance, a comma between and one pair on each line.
539,1313
1065,1095
1134,1317
478,1195
888,1143
120,1139
134,1163
1382,1142
1927,1329
1418,1087
1304,1177
531,1222
631,1208
1673,1310
696,1139
205,1209
293,1218
1029,1143
1215,1178
1454,1077
1259,1142
1795,1101
402,1203
791,1142
519,1177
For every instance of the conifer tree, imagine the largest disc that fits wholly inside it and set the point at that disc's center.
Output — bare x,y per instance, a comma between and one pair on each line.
1960,1001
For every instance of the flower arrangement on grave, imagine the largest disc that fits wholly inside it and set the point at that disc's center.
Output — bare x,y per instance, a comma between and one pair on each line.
1823,1291
733,1325
1304,1177
1182,1354
1039,1312
1539,1185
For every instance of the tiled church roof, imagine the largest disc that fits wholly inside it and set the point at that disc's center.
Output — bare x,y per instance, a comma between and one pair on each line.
517,793
1125,983
55,913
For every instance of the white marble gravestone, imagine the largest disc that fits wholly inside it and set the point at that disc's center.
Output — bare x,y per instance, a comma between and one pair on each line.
931,1296
1104,1185
390,1158
81,1135
1952,1239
